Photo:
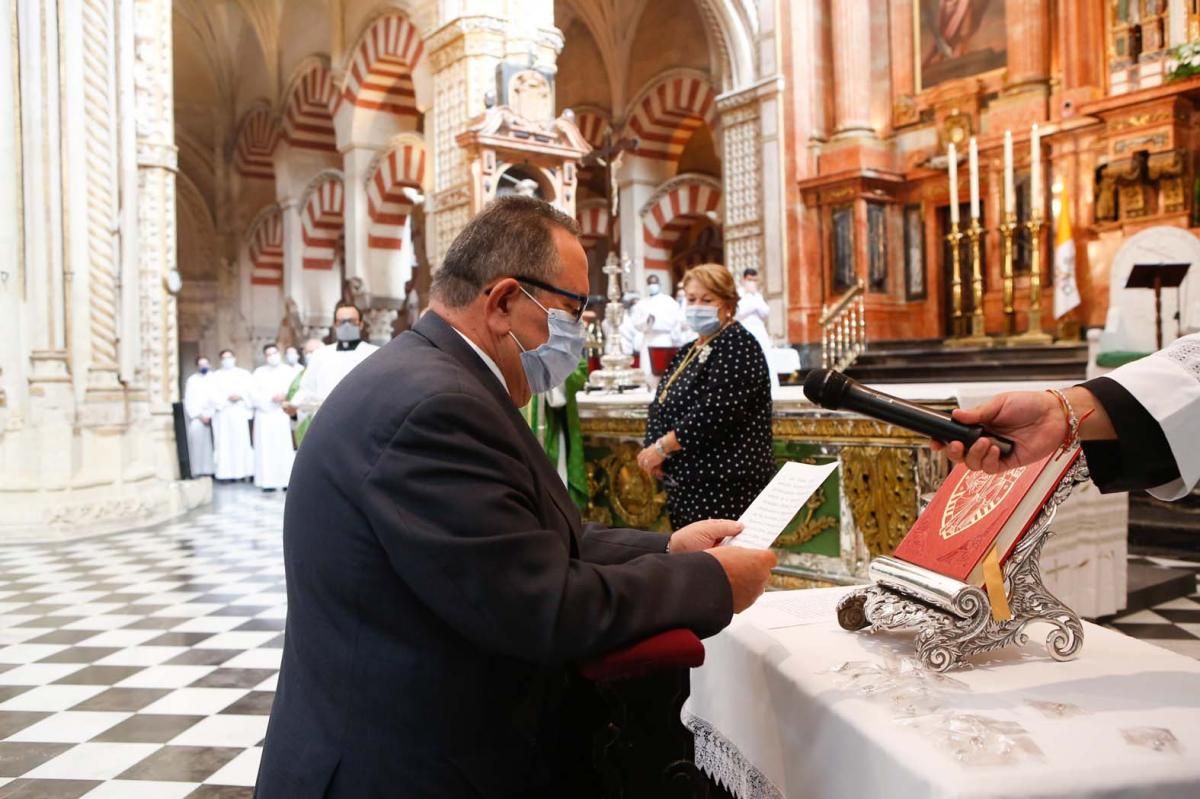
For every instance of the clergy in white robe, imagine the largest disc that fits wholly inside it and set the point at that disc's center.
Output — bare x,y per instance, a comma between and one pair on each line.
328,365
1139,425
233,408
658,317
273,451
197,408
753,313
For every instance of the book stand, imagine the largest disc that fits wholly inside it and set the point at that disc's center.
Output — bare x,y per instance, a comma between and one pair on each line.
953,620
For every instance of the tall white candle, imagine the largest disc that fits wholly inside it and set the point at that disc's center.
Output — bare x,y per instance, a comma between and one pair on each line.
1035,172
953,156
974,166
1010,198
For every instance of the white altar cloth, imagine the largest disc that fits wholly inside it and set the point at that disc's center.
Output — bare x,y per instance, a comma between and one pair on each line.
816,712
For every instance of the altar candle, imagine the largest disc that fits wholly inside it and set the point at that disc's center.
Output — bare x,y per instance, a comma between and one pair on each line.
1035,172
953,155
1010,198
974,166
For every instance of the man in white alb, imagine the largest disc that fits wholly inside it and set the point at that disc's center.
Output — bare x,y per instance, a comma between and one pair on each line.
659,318
197,408
273,452
233,407
328,365
753,313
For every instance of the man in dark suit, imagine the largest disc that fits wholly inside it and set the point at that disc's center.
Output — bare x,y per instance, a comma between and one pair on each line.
439,579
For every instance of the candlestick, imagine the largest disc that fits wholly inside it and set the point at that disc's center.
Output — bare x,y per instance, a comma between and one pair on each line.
955,238
1034,334
1007,230
977,337
953,156
974,166
1010,197
1036,205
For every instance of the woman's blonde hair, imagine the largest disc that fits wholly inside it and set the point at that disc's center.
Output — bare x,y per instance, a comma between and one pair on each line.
716,280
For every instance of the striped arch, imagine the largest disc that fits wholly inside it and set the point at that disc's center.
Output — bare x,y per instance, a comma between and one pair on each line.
404,167
257,136
380,76
308,116
666,115
322,220
592,123
674,207
266,248
593,219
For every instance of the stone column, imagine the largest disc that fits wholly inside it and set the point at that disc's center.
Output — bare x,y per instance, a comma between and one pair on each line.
1028,27
356,163
851,21
293,254
637,178
157,163
463,54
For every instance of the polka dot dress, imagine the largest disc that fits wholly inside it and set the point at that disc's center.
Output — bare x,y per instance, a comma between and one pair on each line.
720,409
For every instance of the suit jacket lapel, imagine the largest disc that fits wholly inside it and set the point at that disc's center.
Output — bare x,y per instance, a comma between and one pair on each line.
440,333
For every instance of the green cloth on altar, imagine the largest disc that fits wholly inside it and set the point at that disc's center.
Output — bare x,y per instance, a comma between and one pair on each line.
547,423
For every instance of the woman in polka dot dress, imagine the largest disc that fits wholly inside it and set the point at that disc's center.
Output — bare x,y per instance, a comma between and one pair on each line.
708,435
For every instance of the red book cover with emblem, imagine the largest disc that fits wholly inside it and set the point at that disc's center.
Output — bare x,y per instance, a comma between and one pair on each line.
973,511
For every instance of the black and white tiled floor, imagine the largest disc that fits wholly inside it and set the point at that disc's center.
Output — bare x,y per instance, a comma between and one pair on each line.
1174,625
142,665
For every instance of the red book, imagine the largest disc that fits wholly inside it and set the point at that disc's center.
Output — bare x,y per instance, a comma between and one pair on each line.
973,512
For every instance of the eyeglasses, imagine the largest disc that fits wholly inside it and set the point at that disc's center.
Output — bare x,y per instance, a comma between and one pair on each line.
581,299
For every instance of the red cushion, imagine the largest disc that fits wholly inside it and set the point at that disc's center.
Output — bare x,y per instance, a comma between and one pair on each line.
673,649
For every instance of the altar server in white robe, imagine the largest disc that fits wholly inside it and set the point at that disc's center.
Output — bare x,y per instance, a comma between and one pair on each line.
1139,425
197,407
753,313
233,408
328,365
659,318
631,335
273,452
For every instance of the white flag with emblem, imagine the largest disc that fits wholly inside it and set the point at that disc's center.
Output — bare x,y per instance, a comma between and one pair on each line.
1066,292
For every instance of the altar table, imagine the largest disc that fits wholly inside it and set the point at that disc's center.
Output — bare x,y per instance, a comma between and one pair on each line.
813,711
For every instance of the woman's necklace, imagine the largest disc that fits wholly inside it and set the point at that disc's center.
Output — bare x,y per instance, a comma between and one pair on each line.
700,351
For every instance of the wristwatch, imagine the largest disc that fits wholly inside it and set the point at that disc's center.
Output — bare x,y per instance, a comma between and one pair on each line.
658,447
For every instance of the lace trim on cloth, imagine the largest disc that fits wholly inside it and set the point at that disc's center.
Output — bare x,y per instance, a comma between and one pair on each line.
721,760
1186,352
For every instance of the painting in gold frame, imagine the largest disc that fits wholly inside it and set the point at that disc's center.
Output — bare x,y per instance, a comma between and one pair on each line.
957,39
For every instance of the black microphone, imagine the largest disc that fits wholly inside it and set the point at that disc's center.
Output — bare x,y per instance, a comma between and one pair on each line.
835,391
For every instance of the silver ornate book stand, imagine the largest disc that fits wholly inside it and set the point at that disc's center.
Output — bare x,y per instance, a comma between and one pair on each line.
953,620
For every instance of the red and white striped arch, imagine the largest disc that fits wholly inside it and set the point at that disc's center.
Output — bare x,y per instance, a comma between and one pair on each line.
673,209
266,248
308,116
404,167
593,124
322,222
593,219
257,136
380,76
667,115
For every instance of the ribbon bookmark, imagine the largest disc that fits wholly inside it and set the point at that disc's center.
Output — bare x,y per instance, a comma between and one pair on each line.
993,582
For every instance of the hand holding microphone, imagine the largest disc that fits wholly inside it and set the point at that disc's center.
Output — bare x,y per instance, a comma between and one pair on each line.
964,433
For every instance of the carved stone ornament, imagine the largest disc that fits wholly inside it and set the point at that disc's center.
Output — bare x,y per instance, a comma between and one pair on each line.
530,96
953,621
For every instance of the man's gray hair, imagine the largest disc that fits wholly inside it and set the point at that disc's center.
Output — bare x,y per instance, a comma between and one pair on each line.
512,237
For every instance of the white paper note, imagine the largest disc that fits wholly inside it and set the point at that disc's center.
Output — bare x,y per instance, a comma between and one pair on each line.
779,502
776,609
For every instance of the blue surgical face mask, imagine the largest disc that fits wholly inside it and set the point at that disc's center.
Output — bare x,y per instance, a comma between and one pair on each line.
550,364
703,319
653,289
204,370
347,331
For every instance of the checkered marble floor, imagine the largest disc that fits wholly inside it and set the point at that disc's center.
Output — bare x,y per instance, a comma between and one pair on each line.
143,664
1174,625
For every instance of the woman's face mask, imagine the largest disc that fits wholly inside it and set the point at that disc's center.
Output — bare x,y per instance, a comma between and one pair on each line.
705,320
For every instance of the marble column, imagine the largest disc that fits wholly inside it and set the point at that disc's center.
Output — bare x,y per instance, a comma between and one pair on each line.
293,254
851,21
356,163
1028,27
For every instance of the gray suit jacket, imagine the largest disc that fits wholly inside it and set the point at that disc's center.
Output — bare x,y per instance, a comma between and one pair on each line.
439,584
